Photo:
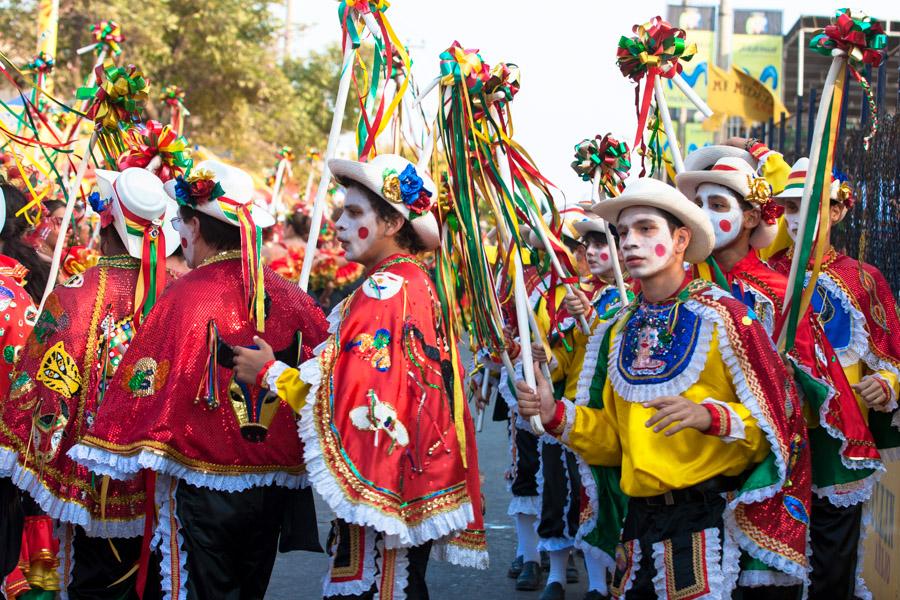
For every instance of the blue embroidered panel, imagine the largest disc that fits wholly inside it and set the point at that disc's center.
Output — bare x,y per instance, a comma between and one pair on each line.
605,301
834,318
658,343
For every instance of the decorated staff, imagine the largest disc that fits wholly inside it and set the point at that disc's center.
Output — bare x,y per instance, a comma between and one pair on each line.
852,39
372,14
285,157
173,96
312,157
605,162
112,105
656,51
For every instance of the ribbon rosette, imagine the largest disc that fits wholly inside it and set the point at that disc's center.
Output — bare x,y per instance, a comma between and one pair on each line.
504,79
197,189
656,45
608,155
42,63
156,139
312,155
173,96
460,65
407,188
760,194
118,98
107,34
863,39
286,153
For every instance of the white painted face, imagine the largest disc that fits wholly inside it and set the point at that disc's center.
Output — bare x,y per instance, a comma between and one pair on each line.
358,228
720,205
645,240
190,233
599,259
792,216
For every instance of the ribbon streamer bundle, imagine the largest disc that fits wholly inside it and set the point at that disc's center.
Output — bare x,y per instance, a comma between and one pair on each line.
173,96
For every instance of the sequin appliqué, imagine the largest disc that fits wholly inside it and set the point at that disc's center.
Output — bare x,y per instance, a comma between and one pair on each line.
59,371
375,349
380,416
658,343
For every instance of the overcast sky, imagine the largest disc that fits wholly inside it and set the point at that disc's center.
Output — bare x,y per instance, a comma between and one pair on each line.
571,87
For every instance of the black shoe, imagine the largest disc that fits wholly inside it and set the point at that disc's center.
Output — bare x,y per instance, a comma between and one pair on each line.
545,561
554,591
530,578
595,595
515,568
571,571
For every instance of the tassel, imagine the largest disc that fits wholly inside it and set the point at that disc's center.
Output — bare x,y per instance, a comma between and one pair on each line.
209,388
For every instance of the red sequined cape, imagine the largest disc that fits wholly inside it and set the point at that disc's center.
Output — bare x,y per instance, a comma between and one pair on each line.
155,414
16,313
54,399
381,442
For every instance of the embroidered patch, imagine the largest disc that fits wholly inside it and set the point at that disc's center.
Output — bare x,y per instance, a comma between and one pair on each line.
373,348
658,343
254,408
145,377
21,385
52,321
7,298
380,416
59,372
795,508
119,337
11,353
48,432
31,315
76,281
834,318
382,286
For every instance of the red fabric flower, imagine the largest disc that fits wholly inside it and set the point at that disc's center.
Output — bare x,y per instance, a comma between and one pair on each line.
420,205
202,190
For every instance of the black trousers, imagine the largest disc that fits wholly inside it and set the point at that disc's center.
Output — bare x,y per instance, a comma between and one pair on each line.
528,460
230,540
96,567
12,522
561,497
834,537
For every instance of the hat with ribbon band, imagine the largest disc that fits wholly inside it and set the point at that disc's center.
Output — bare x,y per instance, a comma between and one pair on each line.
142,216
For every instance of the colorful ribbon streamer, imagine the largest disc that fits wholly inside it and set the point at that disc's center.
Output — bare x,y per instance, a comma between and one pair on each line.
152,274
251,257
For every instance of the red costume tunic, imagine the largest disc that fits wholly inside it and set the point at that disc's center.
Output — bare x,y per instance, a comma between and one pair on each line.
57,389
174,407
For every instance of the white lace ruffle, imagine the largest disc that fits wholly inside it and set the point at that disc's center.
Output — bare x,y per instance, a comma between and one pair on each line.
524,505
65,533
844,495
766,578
635,565
862,591
355,587
591,356
104,462
397,533
676,385
173,566
63,510
459,556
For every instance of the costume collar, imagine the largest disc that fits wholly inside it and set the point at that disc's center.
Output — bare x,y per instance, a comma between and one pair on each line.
220,257
119,261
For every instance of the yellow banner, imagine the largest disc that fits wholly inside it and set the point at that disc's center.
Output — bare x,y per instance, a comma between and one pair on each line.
734,93
47,29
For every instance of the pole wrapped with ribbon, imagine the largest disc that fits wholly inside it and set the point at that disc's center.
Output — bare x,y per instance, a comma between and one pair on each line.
863,40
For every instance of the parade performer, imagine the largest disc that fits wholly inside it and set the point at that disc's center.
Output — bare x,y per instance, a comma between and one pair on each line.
63,374
389,443
858,313
672,394
222,457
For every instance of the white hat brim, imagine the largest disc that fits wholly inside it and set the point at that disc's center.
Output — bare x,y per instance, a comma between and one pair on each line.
705,157
261,217
688,181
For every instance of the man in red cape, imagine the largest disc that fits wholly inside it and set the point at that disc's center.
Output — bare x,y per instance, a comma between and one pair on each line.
389,442
224,458
62,375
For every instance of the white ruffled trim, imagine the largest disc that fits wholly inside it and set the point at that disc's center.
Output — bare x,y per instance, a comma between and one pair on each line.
459,556
862,591
849,494
715,578
62,509
892,403
359,586
104,462
401,572
676,385
590,489
859,335
757,578
570,413
397,533
163,536
565,541
731,561
735,424
273,374
65,533
524,505
635,566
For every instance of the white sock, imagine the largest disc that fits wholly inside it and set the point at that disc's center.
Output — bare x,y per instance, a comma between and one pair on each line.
527,537
559,560
596,570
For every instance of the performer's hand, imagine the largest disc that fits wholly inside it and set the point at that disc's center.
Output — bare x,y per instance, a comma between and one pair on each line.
680,411
248,362
737,142
873,393
788,365
540,402
480,401
577,304
537,353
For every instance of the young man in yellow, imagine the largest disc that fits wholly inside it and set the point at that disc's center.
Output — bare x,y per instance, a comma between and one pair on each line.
676,392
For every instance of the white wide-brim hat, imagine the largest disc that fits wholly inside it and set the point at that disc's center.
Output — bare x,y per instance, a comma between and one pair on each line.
656,194
796,179
237,185
704,158
375,176
735,174
143,195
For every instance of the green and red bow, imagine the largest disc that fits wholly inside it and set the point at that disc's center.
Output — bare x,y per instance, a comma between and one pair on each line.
155,139
118,98
863,39
461,65
607,154
107,35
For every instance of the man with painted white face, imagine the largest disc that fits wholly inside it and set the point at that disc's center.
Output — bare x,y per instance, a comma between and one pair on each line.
744,217
223,455
389,442
858,313
672,394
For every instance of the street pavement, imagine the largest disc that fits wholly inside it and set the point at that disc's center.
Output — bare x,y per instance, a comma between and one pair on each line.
298,575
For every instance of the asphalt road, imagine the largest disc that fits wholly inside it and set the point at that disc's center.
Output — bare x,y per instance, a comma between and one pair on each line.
298,575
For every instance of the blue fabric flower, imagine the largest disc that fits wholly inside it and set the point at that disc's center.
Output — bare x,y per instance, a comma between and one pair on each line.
97,203
413,192
182,191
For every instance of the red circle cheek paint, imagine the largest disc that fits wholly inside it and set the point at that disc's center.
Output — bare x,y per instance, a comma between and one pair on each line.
604,256
725,225
660,250
363,233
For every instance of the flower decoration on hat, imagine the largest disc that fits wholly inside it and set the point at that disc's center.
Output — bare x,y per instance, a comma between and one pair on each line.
101,207
312,155
173,96
199,188
863,39
845,193
407,189
286,153
107,34
760,194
